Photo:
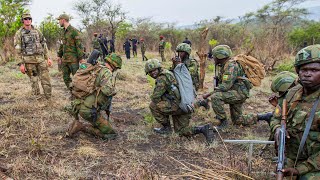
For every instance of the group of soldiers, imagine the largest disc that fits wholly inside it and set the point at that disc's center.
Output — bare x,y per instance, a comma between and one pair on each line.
102,44
301,91
127,48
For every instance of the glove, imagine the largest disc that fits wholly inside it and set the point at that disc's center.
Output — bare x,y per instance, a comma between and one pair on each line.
49,62
22,69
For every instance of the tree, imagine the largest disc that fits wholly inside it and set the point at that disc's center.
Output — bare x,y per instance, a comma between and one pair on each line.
51,31
10,22
97,12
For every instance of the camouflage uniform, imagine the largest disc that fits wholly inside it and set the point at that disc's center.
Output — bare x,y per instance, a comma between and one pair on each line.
105,80
299,106
192,64
32,47
71,52
162,45
164,102
143,50
96,44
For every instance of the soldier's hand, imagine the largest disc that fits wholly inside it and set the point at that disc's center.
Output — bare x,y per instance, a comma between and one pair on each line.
290,172
49,62
273,100
22,69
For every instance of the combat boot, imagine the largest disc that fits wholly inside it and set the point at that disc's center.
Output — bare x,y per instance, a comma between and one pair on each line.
223,123
204,103
166,129
206,130
265,117
75,127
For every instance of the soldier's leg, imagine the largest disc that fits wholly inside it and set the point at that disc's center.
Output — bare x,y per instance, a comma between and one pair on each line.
74,68
66,71
181,124
238,118
162,56
45,79
217,104
161,112
33,75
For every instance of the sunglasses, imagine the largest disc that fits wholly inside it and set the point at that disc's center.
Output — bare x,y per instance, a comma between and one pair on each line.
27,18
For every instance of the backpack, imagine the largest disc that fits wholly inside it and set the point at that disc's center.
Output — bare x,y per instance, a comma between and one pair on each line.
186,89
252,67
83,82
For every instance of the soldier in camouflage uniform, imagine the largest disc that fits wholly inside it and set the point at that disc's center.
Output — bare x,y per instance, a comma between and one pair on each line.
70,51
162,45
96,42
184,52
233,88
31,45
165,101
143,49
99,126
301,99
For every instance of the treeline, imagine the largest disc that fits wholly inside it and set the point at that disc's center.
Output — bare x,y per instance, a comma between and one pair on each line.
272,33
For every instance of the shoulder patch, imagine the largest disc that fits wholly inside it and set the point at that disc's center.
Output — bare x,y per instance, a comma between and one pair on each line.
277,111
225,77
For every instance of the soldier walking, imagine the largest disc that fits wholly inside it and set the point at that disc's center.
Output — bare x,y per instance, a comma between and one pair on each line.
143,49
162,45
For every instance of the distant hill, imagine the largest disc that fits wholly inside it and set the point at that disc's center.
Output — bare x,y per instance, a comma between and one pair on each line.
314,13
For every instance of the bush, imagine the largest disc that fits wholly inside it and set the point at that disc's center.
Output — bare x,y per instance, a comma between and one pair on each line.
286,66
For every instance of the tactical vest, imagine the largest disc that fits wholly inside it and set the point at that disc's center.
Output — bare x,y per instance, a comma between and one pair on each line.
31,42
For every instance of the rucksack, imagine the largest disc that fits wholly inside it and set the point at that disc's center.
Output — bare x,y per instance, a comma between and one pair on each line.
83,82
252,67
186,89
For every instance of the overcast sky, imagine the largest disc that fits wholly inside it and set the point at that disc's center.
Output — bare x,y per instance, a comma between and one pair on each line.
182,12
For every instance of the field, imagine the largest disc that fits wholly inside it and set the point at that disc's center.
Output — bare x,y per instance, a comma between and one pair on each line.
33,143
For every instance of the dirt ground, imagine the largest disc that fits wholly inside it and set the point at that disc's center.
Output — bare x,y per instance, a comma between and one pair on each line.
33,143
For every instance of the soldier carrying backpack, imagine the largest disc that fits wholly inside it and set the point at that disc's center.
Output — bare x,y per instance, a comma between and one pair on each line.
94,86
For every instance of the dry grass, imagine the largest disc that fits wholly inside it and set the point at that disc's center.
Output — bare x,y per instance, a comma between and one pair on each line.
33,146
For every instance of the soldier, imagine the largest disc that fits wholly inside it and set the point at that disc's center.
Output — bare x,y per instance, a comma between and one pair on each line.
187,41
31,45
104,45
112,49
162,45
184,52
96,42
303,160
134,46
233,88
70,51
126,48
143,49
91,106
165,101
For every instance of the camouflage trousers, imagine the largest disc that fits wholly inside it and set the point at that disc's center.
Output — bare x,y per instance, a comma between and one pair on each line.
36,72
308,176
144,58
181,120
163,59
67,69
235,101
101,124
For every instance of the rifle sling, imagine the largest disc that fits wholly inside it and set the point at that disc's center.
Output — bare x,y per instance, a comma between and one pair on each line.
307,129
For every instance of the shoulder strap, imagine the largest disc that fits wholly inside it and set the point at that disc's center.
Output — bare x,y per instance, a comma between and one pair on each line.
307,129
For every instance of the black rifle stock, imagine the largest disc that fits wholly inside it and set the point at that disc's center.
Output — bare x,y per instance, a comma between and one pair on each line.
282,142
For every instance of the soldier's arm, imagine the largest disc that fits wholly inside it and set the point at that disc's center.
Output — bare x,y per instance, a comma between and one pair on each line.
229,77
78,45
107,84
311,164
44,45
159,89
193,68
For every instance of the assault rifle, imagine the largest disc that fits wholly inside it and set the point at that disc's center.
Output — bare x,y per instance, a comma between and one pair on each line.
215,83
282,142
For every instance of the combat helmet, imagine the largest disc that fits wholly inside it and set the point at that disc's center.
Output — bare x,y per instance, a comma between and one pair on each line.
151,65
283,81
309,54
184,47
222,51
114,59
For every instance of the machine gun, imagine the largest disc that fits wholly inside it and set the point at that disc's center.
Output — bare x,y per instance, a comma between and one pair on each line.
282,142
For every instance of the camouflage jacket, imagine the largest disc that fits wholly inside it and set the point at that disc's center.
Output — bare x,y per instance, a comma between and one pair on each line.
106,82
166,88
30,44
96,43
193,67
162,45
232,77
143,47
299,106
71,48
